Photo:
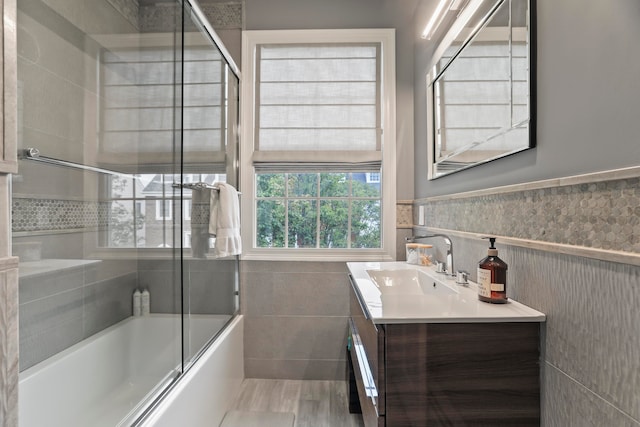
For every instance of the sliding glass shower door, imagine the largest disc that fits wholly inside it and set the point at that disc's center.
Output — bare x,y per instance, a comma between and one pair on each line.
126,109
209,158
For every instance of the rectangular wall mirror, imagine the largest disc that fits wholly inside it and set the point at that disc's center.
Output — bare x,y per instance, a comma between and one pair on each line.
480,90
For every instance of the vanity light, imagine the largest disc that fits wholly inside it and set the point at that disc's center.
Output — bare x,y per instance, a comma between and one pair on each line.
443,7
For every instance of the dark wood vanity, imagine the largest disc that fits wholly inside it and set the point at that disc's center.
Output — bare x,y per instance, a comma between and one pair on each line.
443,374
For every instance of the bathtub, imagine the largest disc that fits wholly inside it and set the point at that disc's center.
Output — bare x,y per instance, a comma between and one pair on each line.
102,380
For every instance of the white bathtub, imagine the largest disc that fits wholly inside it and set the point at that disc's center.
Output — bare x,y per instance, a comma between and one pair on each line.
101,380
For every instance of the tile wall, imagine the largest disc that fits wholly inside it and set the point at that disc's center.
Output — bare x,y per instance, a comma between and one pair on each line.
296,314
61,307
590,369
208,283
603,215
295,317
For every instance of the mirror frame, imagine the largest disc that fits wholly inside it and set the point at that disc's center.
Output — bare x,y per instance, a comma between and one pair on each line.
453,32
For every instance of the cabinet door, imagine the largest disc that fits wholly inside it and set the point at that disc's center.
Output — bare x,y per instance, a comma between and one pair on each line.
462,374
483,374
406,375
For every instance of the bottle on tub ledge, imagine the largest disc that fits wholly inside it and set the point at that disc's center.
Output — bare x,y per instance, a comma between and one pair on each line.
145,302
492,276
137,303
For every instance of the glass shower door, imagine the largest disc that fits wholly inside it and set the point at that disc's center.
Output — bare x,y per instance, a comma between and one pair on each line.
122,111
210,111
94,208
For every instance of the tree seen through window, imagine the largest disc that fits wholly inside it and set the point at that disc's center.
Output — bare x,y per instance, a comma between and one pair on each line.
317,210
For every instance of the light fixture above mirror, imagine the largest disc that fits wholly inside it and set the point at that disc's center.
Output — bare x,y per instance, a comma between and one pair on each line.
451,9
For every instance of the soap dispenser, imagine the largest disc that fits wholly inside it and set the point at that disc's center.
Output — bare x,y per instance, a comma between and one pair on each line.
492,276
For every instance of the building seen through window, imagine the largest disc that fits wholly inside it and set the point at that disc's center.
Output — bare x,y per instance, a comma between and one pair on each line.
144,210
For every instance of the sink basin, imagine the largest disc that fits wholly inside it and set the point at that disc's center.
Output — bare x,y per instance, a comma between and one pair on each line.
408,282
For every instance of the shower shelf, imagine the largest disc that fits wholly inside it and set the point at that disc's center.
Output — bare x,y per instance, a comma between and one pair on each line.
48,266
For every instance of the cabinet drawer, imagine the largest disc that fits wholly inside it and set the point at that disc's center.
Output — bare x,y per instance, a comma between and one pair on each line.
372,337
368,395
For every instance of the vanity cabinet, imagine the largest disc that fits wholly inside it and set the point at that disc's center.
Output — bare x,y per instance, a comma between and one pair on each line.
444,374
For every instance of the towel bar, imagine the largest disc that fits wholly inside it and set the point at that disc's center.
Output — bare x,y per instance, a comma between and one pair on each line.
197,186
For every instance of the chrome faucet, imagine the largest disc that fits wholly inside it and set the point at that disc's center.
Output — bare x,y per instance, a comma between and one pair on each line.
449,263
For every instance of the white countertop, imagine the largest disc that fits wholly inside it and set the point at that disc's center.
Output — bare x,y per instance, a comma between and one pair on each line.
403,301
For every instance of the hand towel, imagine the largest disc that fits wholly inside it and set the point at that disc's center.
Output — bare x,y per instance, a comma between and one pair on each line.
200,200
224,220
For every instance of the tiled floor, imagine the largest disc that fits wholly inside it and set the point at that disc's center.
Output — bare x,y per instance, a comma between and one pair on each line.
314,403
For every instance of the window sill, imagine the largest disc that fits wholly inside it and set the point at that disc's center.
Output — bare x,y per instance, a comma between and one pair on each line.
316,255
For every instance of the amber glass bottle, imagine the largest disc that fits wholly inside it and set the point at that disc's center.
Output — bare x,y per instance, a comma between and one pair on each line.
492,277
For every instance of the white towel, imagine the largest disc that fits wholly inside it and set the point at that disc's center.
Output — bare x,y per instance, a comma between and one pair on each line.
224,220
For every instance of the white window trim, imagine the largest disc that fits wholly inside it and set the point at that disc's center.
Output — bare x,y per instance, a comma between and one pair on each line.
250,40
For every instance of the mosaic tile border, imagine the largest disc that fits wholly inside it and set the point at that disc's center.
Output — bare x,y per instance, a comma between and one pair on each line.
34,215
404,213
599,219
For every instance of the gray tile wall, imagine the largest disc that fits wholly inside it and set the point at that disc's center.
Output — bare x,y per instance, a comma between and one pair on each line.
209,285
295,319
591,369
604,215
59,309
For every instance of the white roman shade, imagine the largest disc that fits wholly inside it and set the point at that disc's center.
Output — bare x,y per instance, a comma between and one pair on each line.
154,113
317,106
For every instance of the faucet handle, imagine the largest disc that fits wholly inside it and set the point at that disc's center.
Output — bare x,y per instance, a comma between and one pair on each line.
441,267
461,277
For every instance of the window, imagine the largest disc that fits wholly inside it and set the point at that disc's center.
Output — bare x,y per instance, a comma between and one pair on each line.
373,177
319,144
317,210
163,209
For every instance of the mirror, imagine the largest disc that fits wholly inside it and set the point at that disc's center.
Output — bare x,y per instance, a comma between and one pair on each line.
480,96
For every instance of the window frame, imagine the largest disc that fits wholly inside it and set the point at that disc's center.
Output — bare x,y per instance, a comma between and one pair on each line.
250,41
